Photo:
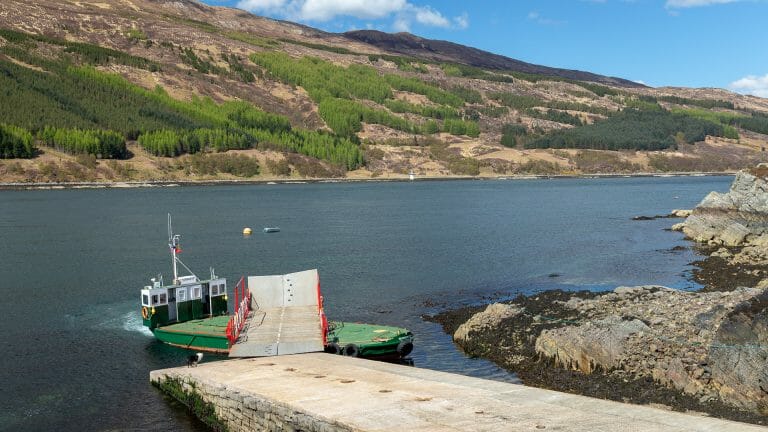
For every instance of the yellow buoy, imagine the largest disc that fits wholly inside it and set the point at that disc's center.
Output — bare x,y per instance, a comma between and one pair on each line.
247,231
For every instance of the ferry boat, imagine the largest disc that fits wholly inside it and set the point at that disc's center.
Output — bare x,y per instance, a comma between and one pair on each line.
193,313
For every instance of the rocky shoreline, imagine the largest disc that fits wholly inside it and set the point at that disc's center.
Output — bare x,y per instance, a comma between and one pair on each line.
301,180
511,344
702,351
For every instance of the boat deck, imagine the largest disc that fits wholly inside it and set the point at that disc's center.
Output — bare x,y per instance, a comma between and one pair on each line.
215,326
361,334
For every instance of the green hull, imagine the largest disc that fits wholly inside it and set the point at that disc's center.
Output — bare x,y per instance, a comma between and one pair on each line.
369,341
208,334
359,340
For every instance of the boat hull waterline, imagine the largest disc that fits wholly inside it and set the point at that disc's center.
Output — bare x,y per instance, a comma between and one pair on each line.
344,338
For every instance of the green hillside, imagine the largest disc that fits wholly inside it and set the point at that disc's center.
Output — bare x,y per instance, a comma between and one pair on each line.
170,82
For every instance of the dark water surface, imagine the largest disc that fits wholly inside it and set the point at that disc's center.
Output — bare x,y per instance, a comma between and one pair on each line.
75,357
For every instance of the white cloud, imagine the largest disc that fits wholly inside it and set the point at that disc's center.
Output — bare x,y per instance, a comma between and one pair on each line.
694,3
262,5
428,16
325,10
538,18
403,12
461,21
401,25
752,84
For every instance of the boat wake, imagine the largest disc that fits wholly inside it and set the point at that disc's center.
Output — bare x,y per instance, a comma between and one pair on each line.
132,322
114,317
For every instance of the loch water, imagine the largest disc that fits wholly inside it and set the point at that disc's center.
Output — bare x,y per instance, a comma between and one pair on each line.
75,356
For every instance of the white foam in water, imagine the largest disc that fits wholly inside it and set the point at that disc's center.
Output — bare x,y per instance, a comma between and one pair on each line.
113,317
132,322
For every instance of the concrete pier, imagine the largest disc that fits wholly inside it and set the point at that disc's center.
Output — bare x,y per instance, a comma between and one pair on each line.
323,392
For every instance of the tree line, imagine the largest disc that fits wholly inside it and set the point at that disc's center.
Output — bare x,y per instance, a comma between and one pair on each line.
174,143
435,112
337,91
524,102
555,116
100,143
631,129
88,53
75,108
511,133
15,142
703,103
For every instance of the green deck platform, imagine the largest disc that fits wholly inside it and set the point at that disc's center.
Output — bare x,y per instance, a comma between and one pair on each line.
371,340
207,334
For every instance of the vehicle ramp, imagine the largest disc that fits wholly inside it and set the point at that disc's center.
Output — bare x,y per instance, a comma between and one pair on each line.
286,316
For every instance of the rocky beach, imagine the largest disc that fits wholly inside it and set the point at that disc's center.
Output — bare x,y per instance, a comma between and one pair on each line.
701,351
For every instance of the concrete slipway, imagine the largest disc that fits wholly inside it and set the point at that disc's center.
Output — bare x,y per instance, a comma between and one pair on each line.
324,392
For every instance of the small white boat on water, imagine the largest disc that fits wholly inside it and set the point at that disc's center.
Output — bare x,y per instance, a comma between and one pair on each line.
271,229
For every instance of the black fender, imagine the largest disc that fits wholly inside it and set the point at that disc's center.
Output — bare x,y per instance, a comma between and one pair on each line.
351,350
404,347
333,348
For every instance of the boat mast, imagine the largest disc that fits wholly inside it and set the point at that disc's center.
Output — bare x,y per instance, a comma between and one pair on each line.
173,244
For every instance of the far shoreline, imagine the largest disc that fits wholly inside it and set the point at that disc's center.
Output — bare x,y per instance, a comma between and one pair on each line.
281,181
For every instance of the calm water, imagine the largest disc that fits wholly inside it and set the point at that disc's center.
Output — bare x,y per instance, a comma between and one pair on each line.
72,261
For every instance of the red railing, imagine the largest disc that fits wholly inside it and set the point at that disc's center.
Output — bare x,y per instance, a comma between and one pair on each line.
323,319
242,308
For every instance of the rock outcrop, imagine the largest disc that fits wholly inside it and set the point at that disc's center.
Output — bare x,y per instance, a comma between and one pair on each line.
492,316
680,213
736,218
653,332
738,355
710,346
599,344
734,226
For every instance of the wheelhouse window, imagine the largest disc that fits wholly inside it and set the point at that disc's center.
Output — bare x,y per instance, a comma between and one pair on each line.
145,300
181,295
163,298
196,292
154,299
219,290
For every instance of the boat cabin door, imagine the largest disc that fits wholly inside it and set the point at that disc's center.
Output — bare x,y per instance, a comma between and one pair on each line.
172,312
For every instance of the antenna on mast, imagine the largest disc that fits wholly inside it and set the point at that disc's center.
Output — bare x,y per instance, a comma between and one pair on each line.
174,241
173,244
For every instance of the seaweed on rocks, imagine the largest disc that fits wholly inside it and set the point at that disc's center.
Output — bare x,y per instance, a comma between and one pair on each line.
715,273
511,345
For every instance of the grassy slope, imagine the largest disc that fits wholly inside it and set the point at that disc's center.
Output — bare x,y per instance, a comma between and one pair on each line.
166,39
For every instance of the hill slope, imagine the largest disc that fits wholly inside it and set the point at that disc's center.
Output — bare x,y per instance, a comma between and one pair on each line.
444,51
176,90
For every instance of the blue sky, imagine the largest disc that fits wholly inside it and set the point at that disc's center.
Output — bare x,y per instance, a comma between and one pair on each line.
691,43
